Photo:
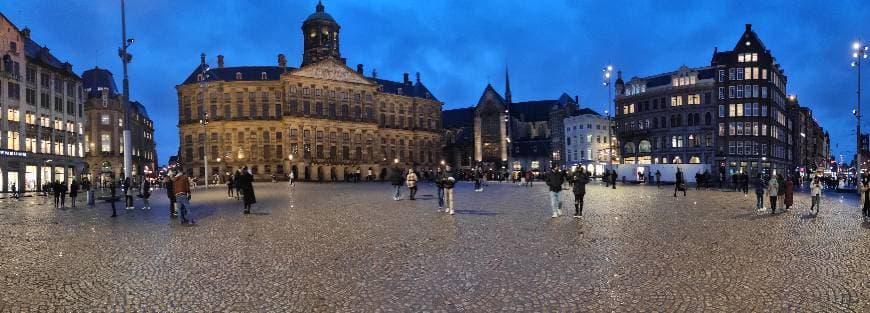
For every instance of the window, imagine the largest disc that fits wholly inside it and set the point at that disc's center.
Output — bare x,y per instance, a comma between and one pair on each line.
721,93
731,74
764,92
721,129
732,92
721,75
739,74
263,75
763,110
694,99
238,75
676,101
755,128
739,91
105,142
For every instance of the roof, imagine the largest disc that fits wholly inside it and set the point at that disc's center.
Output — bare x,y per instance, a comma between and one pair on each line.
41,55
417,90
140,108
249,73
587,111
319,14
533,111
457,118
664,79
97,78
254,73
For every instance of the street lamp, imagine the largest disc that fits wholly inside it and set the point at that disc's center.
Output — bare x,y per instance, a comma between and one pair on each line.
859,53
607,73
125,59
204,123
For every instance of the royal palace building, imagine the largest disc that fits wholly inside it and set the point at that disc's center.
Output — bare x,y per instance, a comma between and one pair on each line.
41,120
322,121
104,128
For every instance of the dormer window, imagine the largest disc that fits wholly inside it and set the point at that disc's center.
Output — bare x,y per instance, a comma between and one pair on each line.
400,90
263,75
199,77
238,75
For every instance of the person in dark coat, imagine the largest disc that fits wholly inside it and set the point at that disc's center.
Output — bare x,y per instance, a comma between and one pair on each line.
170,193
55,191
580,179
247,181
554,182
759,193
145,193
74,191
113,198
658,179
237,183
128,193
63,190
230,186
681,182
397,179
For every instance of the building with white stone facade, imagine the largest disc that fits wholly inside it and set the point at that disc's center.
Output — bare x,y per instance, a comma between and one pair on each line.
586,141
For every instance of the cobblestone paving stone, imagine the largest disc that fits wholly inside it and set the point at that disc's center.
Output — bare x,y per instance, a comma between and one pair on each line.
351,248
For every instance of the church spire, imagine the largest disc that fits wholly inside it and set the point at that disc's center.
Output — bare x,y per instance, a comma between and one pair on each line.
507,85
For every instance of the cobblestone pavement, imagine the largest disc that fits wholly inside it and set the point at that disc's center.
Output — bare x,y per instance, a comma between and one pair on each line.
351,248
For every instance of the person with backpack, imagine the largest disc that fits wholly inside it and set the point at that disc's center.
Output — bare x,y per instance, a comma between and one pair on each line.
580,179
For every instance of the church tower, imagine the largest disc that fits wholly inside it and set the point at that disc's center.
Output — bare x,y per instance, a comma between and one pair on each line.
320,33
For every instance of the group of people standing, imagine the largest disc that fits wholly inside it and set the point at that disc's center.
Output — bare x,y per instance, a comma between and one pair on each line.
242,182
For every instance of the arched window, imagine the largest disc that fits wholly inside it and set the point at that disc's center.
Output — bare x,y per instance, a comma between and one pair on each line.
643,146
629,148
238,75
679,120
708,119
263,75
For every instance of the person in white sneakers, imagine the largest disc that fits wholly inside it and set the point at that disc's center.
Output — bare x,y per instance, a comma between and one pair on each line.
555,181
448,182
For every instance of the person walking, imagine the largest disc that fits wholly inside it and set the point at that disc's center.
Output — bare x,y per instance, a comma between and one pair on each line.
397,180
658,179
169,185
759,193
411,182
530,177
789,194
816,194
580,179
230,186
63,191
613,178
448,183
439,183
55,191
698,181
14,190
237,183
554,181
290,178
781,192
113,198
680,182
772,192
865,196
248,189
181,188
128,193
74,191
145,193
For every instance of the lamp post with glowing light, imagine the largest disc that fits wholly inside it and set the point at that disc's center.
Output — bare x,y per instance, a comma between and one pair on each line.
125,99
859,53
608,70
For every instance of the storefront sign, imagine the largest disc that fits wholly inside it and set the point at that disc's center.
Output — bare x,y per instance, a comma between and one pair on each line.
13,153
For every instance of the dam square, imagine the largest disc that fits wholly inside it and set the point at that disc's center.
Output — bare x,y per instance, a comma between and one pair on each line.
381,156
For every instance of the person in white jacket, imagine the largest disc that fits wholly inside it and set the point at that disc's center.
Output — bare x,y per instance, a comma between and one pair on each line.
816,194
772,189
411,181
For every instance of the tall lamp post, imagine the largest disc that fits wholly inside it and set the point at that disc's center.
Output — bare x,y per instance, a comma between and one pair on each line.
125,59
607,71
204,120
859,53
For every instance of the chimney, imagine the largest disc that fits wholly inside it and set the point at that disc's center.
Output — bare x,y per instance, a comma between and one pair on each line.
202,58
25,32
220,61
748,27
418,77
359,69
406,79
282,60
618,74
374,73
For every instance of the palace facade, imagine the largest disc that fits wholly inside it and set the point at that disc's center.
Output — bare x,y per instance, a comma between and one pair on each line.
321,121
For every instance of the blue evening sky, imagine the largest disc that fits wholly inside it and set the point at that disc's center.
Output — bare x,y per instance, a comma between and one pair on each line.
458,46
